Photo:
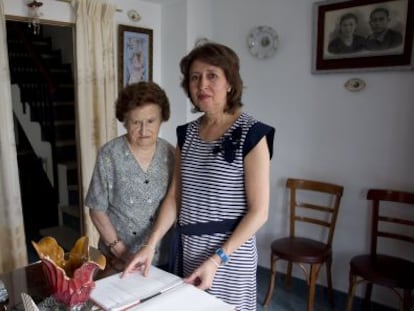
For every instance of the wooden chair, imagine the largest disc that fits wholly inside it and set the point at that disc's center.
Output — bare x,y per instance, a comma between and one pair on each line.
379,268
305,206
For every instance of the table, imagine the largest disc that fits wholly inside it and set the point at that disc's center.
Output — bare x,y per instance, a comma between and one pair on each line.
28,279
31,280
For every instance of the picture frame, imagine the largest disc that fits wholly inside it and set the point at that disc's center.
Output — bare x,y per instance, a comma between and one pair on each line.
371,48
135,54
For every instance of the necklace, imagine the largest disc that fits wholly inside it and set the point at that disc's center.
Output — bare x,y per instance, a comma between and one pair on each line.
146,176
144,158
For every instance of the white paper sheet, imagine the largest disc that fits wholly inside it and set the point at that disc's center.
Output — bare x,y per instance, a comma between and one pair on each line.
115,293
184,297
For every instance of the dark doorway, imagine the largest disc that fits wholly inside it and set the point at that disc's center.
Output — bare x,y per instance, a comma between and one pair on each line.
43,95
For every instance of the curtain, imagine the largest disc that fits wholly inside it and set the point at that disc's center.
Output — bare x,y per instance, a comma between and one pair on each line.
13,252
96,87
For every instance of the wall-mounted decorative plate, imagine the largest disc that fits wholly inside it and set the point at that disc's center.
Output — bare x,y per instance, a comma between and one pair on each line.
134,16
201,41
355,85
262,41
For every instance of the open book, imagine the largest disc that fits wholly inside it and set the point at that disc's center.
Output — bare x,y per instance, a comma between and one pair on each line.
159,291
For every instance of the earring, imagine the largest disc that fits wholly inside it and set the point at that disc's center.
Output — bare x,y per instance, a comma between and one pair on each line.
229,90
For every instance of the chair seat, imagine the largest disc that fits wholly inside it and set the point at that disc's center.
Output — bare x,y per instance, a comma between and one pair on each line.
298,249
384,270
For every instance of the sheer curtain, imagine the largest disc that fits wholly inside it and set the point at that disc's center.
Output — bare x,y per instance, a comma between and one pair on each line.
96,86
13,252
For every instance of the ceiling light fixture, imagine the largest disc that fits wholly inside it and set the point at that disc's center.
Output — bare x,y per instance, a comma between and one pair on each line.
34,15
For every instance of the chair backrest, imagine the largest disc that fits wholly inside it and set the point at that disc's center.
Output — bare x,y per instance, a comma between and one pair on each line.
393,225
314,202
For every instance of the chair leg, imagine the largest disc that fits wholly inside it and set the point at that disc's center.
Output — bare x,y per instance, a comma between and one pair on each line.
367,299
351,291
272,281
329,279
314,270
288,279
407,300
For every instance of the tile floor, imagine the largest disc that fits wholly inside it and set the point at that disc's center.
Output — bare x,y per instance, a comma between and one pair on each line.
295,299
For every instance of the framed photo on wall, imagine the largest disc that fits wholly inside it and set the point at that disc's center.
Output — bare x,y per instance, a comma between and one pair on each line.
362,35
134,55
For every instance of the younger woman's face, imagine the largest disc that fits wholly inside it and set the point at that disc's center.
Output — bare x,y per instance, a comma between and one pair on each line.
208,87
348,27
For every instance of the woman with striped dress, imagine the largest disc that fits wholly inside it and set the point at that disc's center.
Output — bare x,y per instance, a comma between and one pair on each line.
219,196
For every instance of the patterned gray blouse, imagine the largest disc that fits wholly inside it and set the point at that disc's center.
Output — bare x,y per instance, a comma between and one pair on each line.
130,196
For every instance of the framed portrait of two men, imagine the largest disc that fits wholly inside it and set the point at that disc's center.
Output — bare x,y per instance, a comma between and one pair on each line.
362,35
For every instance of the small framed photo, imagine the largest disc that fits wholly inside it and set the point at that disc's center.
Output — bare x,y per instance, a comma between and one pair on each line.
362,35
134,55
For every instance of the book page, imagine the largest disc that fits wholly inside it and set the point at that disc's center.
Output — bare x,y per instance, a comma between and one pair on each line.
184,297
115,293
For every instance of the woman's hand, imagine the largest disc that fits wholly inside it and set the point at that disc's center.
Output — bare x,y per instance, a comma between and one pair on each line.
141,261
119,263
119,250
203,276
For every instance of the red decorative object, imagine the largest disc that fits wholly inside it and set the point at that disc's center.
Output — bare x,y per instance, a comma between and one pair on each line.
70,275
70,291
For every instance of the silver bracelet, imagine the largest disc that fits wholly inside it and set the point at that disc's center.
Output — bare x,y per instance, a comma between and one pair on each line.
213,261
150,246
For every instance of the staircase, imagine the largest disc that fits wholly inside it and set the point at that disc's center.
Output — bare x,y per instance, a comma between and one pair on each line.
45,96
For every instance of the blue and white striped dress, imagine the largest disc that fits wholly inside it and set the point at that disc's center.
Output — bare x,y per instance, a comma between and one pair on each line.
212,177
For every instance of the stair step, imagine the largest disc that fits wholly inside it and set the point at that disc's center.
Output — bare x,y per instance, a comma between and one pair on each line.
66,151
65,94
73,187
59,70
72,177
72,210
65,130
65,236
71,173
64,110
73,196
70,164
65,143
64,122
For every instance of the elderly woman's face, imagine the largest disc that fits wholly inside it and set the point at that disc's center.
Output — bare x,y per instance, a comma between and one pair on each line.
143,125
208,87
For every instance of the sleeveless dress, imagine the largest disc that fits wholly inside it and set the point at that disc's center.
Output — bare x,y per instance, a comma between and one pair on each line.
212,181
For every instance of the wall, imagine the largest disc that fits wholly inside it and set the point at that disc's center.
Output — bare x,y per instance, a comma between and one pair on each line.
324,132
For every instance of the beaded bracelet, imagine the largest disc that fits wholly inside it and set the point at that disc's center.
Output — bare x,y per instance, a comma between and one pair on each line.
113,243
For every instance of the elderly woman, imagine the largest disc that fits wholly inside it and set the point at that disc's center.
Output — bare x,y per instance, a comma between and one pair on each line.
220,190
132,173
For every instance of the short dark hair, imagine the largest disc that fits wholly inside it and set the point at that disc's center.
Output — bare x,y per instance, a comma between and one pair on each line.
348,16
138,95
219,55
384,10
